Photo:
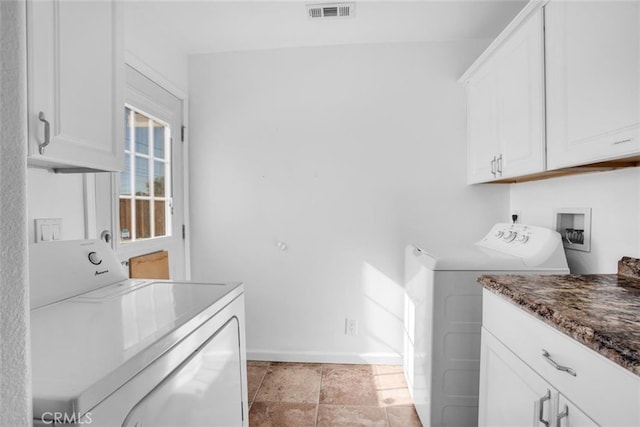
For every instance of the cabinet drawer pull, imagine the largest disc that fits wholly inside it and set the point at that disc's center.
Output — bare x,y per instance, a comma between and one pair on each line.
541,408
555,364
47,133
499,165
493,166
561,415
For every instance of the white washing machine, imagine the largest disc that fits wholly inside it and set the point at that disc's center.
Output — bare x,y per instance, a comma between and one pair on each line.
108,350
443,314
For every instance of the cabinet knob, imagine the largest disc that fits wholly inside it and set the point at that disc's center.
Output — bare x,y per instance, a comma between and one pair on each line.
47,133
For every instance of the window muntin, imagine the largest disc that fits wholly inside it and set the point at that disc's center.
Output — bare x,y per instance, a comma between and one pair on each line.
145,184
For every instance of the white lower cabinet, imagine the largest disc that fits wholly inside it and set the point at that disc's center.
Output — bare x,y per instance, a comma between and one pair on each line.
531,374
512,394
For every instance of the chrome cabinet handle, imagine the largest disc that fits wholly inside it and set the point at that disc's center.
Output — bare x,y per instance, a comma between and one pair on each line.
561,415
47,133
499,163
541,408
493,166
555,364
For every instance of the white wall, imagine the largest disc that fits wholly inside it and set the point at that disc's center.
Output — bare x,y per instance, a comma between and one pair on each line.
15,357
614,198
345,154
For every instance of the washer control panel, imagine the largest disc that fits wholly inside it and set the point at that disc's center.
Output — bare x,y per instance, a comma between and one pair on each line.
519,239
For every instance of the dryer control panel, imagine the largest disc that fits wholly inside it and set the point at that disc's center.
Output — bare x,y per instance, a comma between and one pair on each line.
525,241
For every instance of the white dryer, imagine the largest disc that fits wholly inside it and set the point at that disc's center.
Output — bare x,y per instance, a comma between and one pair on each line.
443,314
108,350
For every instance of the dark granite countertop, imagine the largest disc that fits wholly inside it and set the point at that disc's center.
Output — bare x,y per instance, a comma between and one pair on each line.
601,311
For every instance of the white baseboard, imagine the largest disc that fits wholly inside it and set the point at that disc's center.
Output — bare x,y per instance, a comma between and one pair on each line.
313,357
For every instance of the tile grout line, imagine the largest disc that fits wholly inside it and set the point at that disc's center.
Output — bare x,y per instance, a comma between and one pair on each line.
259,385
319,391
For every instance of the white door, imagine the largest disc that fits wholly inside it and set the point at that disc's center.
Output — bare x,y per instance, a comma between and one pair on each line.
145,210
593,81
511,393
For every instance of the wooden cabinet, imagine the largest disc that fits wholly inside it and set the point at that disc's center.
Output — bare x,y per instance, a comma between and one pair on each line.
516,375
593,81
75,67
505,111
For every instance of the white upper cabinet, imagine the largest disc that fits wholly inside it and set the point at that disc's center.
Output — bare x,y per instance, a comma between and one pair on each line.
593,75
505,110
75,69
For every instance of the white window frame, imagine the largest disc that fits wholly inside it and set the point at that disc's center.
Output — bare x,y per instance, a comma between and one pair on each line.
151,159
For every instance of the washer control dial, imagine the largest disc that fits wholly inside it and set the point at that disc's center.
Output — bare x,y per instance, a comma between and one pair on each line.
510,236
94,258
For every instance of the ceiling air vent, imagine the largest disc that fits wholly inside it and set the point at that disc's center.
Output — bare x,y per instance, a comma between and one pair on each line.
331,10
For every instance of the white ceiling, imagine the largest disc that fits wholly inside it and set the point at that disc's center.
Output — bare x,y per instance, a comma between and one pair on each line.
223,26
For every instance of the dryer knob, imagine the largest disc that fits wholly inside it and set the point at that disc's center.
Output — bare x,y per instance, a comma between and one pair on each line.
499,233
94,258
510,236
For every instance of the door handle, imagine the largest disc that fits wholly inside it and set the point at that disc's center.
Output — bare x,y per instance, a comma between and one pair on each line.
556,365
47,133
541,401
561,415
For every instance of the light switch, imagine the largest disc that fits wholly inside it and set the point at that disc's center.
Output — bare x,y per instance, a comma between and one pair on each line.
48,229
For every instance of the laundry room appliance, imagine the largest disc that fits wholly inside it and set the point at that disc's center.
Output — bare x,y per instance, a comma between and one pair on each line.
443,314
108,350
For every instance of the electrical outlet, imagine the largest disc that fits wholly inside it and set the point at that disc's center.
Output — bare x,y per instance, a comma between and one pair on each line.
351,326
518,216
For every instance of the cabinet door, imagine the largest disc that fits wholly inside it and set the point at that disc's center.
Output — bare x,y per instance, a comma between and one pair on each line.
75,66
482,124
593,74
521,100
505,104
511,393
570,416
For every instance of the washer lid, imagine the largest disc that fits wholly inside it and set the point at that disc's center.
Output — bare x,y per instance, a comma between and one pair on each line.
85,347
506,247
469,258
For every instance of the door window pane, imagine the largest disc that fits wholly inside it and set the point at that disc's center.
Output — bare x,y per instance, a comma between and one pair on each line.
142,176
159,217
145,189
143,219
125,177
158,180
141,124
125,220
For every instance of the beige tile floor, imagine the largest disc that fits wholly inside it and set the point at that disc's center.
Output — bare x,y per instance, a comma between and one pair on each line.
312,394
